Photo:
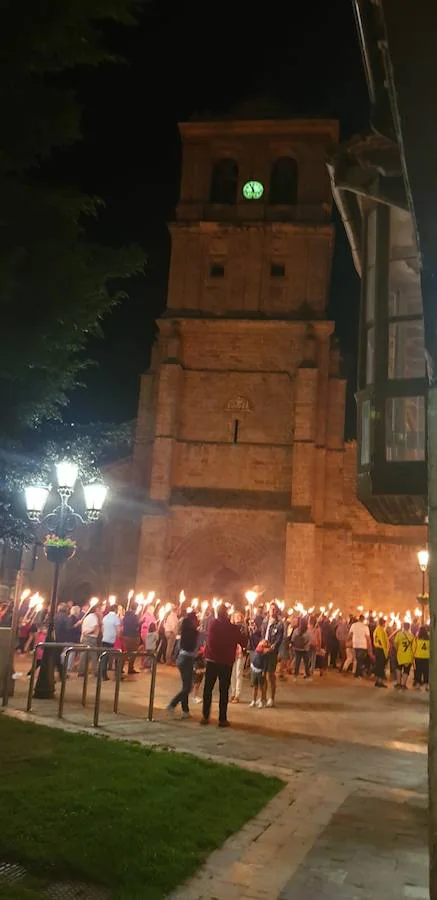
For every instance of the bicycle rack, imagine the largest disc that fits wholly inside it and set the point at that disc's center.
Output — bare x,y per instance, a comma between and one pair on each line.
69,648
120,659
103,655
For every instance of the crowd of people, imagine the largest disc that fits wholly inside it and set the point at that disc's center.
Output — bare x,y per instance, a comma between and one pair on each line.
222,645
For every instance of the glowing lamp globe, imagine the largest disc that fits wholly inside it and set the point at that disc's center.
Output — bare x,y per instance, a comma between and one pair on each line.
36,498
95,496
423,557
66,472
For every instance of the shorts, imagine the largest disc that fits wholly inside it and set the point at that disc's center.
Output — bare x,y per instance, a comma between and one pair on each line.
272,662
257,678
405,668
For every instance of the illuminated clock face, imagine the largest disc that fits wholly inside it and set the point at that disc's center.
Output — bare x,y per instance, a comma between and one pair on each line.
253,190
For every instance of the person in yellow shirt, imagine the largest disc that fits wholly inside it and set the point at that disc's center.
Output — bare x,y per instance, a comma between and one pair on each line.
421,658
403,642
380,646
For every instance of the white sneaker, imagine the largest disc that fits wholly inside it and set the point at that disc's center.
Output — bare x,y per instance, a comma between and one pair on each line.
252,703
260,704
270,702
197,699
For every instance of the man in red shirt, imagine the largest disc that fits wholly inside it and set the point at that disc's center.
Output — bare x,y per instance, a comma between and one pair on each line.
220,651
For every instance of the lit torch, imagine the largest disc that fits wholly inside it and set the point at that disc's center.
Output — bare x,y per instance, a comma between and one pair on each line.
25,594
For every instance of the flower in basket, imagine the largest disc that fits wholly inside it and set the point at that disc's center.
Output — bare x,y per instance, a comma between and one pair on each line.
52,540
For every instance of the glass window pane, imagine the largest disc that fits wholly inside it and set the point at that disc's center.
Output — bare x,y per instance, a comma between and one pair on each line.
365,433
406,355
403,277
405,429
403,300
370,355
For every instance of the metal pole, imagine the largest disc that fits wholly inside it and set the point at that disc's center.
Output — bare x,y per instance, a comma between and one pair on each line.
85,678
118,669
98,689
14,632
64,681
152,689
423,596
32,678
45,686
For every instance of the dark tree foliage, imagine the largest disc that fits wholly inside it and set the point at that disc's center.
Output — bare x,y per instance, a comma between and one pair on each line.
56,283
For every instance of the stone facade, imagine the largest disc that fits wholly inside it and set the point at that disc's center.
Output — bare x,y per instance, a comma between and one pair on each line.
240,453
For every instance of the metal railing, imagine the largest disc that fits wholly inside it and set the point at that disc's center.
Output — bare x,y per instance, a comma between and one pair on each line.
120,660
71,648
103,656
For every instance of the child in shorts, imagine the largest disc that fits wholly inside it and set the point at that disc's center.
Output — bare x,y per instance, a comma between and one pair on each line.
258,668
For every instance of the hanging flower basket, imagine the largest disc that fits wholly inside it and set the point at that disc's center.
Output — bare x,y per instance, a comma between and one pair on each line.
59,550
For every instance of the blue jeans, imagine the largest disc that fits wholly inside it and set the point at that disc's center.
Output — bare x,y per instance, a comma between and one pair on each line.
185,665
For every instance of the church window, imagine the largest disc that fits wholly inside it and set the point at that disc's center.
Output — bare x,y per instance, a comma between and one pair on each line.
235,430
216,270
224,181
406,357
283,181
405,429
277,270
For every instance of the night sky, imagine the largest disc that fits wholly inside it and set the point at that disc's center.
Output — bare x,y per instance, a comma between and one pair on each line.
187,57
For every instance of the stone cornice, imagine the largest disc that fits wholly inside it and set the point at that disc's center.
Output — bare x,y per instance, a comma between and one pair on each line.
214,227
301,129
322,328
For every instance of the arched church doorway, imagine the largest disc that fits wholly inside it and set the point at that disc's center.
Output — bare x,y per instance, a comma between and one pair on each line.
225,563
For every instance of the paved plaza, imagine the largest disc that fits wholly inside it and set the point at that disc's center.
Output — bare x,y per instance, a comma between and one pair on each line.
350,823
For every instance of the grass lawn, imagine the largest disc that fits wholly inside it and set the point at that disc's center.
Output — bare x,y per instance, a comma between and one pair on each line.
116,814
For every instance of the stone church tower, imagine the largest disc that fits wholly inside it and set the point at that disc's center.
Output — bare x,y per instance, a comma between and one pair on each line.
240,428
240,474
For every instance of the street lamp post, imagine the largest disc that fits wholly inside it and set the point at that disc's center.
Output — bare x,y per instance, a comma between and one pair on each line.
60,525
423,558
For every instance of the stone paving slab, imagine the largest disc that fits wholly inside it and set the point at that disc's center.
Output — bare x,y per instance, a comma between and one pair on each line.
383,853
